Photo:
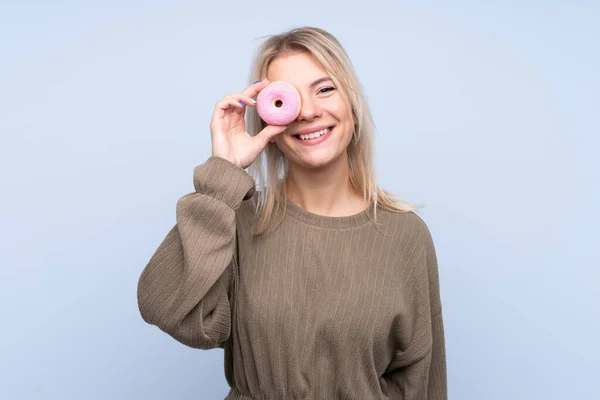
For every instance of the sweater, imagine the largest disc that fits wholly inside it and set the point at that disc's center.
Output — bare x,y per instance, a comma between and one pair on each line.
320,308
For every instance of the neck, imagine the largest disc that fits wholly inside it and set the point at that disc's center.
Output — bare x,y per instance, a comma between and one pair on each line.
324,191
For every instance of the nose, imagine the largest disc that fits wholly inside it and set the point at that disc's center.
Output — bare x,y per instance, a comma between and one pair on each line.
309,110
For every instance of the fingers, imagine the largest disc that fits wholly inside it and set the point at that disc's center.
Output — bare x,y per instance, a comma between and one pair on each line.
239,101
236,100
228,103
243,99
255,88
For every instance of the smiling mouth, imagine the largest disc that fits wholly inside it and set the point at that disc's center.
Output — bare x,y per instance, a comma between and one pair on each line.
314,135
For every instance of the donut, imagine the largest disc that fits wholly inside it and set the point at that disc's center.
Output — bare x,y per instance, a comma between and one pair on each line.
278,103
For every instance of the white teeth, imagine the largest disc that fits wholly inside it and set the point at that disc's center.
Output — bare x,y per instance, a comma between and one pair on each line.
314,134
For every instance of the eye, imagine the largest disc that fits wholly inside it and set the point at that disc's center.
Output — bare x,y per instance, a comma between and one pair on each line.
326,89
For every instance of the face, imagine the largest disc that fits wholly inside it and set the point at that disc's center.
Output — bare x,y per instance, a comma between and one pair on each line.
322,108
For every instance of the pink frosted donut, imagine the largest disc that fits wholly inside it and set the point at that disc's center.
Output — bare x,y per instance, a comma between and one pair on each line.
278,103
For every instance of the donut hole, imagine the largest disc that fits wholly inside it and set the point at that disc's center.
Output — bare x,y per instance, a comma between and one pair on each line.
278,103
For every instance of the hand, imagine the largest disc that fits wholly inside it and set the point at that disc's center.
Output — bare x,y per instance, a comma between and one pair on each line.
228,128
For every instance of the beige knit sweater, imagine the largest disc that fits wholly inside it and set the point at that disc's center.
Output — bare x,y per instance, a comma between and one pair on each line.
321,308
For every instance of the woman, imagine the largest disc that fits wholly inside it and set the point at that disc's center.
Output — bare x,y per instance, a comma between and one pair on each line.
320,285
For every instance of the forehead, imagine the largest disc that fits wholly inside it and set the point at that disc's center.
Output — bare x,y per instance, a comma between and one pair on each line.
298,69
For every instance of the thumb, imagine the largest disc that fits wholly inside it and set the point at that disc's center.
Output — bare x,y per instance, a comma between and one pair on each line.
270,132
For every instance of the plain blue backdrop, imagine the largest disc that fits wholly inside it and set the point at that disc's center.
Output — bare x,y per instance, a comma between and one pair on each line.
486,112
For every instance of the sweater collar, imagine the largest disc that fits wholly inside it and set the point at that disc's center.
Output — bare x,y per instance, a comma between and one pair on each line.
351,221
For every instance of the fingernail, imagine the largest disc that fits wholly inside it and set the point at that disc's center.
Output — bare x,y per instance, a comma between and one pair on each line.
254,101
255,82
241,103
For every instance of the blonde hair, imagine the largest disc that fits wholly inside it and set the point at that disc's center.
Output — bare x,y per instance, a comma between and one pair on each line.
329,53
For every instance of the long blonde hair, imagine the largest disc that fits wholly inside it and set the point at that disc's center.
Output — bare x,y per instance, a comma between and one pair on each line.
332,57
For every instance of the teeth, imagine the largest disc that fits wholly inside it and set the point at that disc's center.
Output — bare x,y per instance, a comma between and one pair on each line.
314,134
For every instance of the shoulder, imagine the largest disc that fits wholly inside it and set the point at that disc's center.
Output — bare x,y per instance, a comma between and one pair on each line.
404,225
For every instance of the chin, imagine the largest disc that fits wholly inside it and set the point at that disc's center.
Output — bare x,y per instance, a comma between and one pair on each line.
314,161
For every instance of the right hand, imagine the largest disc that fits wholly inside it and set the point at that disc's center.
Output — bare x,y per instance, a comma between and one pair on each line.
228,128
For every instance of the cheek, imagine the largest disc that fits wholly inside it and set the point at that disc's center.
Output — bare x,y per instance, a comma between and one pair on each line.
339,110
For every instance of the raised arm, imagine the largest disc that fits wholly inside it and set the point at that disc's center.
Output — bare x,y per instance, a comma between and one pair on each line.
185,287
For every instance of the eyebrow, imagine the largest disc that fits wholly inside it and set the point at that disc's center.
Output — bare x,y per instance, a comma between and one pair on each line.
320,80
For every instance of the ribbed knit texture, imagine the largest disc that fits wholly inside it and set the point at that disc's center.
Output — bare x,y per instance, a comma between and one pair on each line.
321,308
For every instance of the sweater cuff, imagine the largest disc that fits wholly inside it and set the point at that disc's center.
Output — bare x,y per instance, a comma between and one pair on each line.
224,181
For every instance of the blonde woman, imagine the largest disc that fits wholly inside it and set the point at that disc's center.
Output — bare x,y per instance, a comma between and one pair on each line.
317,283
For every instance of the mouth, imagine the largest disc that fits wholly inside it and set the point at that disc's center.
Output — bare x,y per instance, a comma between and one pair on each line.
315,137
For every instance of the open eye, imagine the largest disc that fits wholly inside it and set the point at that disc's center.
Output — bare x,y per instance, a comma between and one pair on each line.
326,89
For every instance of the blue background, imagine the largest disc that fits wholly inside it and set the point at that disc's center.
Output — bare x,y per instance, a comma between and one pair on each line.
487,113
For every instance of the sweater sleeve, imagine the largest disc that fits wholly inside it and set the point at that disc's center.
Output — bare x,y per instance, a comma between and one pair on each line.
419,372
185,287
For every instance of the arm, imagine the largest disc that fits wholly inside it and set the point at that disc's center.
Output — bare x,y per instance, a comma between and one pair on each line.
437,382
184,289
419,372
